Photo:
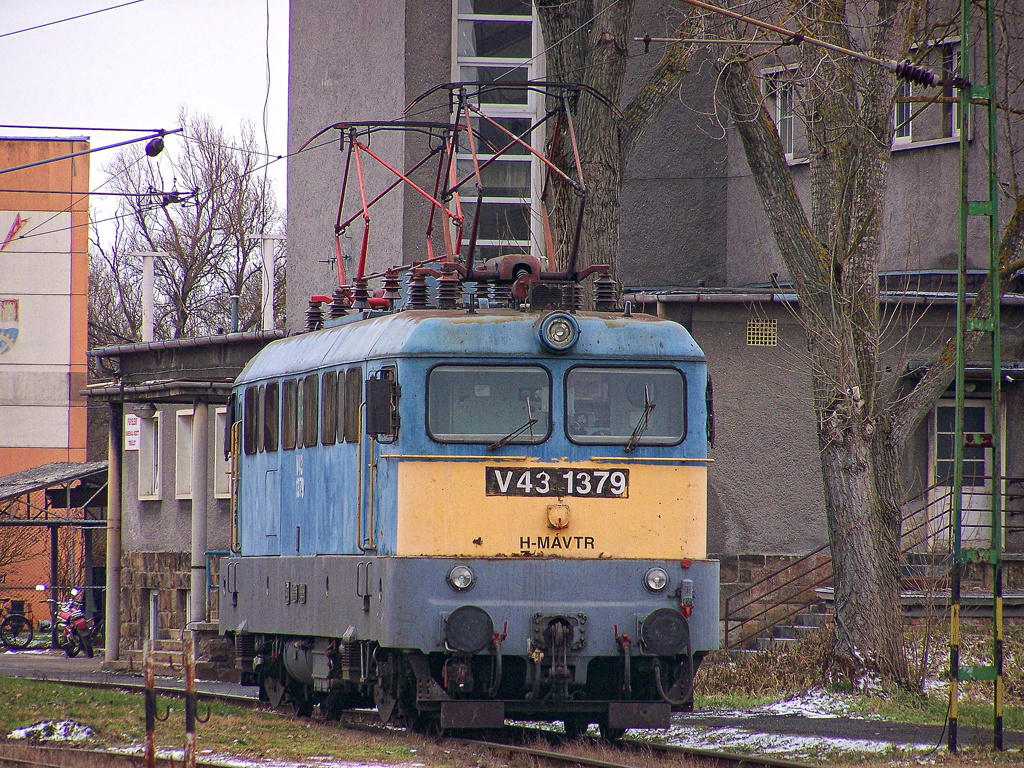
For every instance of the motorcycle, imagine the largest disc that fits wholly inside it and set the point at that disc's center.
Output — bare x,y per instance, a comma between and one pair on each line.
74,630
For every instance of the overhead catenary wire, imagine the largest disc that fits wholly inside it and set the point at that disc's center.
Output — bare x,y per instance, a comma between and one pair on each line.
902,69
70,18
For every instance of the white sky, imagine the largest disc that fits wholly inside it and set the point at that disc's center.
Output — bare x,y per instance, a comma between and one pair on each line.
131,67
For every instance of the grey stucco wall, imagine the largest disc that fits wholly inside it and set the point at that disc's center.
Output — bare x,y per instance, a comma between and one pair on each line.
332,77
165,525
765,491
759,500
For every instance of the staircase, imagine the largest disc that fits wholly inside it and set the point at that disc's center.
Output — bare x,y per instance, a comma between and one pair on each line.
793,601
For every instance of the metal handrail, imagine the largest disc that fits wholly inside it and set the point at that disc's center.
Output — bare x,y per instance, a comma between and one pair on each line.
748,593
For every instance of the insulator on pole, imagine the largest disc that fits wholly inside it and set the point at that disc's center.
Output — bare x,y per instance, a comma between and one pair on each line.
905,70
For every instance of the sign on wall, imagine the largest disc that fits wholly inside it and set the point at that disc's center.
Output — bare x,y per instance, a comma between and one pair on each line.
132,431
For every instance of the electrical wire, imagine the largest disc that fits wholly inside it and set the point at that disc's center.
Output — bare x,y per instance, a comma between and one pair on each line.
120,216
80,128
70,18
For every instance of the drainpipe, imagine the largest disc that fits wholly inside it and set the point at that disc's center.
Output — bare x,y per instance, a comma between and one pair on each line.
112,620
200,460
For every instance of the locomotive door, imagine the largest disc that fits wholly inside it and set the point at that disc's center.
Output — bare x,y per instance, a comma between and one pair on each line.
976,519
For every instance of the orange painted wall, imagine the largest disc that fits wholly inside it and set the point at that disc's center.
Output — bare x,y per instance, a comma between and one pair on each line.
60,186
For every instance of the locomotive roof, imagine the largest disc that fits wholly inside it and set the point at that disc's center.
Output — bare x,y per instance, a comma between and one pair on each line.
434,333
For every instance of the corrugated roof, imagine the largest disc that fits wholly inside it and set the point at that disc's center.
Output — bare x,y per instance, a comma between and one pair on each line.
57,473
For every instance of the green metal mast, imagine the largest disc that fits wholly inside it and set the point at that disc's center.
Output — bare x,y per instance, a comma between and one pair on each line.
982,91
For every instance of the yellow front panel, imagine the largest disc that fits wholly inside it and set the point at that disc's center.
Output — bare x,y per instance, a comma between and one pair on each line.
444,509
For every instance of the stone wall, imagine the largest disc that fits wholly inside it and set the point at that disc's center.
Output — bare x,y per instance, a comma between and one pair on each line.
169,573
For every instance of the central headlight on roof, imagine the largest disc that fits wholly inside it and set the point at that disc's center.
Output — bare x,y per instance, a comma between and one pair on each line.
559,332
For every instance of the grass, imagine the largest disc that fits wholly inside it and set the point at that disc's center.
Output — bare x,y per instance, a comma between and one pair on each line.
118,719
724,682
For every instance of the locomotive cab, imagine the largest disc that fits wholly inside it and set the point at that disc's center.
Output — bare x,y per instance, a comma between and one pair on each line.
463,517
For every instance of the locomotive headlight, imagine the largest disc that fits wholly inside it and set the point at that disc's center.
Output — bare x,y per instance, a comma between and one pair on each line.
461,578
559,332
656,579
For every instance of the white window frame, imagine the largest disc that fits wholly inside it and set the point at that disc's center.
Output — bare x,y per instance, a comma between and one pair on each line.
950,51
184,446
221,465
774,85
902,111
532,111
150,486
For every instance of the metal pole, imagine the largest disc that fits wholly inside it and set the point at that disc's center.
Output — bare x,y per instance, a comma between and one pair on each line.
54,592
200,461
147,293
267,242
234,312
112,620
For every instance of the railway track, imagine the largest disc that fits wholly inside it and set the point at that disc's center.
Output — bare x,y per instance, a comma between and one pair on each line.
15,755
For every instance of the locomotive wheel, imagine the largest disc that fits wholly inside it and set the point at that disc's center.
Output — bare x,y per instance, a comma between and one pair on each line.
575,726
302,703
610,734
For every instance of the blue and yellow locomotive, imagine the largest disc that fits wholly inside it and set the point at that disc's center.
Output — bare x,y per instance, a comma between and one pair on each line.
466,515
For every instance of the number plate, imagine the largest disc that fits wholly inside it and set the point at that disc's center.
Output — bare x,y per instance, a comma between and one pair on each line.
561,481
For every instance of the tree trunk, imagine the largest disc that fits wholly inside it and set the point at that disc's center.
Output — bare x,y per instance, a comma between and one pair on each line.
861,475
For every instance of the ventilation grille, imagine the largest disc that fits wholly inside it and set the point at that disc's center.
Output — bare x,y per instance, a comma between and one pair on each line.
762,333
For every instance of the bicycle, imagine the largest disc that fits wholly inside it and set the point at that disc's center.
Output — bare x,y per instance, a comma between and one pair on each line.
15,630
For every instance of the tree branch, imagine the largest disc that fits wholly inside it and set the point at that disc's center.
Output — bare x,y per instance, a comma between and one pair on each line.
652,97
912,409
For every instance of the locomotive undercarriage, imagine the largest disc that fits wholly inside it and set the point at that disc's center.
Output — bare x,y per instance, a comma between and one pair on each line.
444,690
531,639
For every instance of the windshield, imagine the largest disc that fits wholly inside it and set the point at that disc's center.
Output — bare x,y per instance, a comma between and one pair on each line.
489,404
606,405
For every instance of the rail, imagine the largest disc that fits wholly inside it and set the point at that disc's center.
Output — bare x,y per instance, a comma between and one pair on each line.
793,588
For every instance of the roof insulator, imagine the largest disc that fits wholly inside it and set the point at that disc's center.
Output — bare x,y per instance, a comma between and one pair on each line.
418,290
340,302
360,294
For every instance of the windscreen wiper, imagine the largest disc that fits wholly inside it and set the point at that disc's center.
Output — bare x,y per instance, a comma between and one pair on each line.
517,432
642,423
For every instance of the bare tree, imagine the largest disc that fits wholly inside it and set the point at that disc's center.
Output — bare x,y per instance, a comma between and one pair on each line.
865,415
832,249
18,544
196,205
586,42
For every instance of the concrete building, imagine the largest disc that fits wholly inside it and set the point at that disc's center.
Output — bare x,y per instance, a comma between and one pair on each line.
44,268
44,263
169,509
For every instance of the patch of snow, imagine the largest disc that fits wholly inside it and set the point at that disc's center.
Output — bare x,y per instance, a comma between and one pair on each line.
816,703
745,741
48,730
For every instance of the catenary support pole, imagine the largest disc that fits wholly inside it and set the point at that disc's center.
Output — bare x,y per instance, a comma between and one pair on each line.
200,462
112,620
267,242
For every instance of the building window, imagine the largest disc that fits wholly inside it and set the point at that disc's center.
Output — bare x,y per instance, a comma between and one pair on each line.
902,126
917,122
183,454
500,41
950,69
781,95
149,458
762,333
221,465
